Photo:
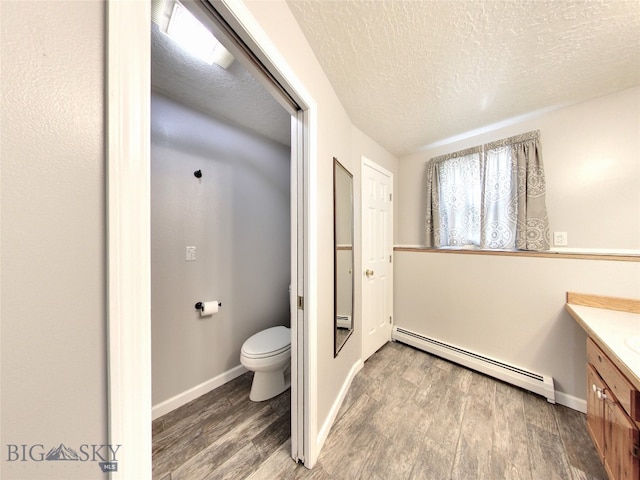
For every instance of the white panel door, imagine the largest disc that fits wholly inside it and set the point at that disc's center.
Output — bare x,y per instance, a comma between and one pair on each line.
377,251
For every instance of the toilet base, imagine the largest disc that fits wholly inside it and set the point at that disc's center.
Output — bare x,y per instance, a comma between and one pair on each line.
267,385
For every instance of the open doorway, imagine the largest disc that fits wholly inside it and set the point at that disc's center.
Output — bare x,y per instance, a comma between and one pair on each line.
129,265
220,232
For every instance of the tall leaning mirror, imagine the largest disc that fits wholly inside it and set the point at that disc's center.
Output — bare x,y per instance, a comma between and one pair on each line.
343,254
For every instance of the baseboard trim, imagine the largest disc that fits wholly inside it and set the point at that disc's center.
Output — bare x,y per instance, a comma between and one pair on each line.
185,397
572,402
335,408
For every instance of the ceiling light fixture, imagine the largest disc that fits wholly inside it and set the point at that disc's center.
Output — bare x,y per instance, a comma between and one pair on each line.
192,36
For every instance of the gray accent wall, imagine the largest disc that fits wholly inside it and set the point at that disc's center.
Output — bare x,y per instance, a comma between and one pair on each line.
237,215
53,309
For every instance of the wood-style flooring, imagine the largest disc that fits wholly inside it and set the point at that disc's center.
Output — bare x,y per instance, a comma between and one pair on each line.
407,415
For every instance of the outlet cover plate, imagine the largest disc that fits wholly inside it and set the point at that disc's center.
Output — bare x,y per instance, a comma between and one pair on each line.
560,239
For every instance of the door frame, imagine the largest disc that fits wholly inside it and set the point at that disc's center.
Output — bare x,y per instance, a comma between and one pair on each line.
373,165
127,143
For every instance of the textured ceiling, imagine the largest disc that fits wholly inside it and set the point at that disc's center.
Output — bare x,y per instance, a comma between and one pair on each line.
412,73
233,94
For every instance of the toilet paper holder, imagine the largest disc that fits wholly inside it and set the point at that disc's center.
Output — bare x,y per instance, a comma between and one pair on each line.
200,305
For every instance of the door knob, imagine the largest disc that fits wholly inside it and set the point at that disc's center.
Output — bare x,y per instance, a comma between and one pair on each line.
368,273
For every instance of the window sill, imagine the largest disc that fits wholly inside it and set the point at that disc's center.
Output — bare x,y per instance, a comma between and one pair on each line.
581,254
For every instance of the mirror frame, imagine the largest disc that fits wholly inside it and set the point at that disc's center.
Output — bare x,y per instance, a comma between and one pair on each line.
338,344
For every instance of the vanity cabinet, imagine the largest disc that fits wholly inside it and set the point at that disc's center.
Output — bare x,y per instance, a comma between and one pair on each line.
613,415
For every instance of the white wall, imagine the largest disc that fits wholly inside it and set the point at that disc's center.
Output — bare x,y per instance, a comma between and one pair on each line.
591,155
53,346
511,308
508,308
237,216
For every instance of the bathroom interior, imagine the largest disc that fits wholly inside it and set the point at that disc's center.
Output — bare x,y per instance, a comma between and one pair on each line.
220,218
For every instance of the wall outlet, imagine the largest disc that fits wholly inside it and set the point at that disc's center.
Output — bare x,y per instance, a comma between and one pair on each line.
560,239
191,253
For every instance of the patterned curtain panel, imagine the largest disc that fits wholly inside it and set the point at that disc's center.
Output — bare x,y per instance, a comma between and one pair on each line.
491,196
525,204
499,199
453,199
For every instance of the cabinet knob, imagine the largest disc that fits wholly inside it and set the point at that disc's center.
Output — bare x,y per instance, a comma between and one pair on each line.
601,395
594,388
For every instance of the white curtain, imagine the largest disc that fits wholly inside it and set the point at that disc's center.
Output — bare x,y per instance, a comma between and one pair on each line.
453,199
499,199
491,196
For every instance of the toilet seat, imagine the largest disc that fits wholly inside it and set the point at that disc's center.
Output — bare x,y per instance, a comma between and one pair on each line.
267,343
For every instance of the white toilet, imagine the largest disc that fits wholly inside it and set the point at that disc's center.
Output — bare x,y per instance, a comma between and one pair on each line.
268,354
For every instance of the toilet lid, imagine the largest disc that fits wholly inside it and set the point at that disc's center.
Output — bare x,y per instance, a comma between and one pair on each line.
267,343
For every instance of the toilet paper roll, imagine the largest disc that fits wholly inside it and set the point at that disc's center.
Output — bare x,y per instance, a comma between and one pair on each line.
209,308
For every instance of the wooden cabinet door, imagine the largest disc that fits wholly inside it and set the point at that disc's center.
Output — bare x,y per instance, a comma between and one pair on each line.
621,443
595,409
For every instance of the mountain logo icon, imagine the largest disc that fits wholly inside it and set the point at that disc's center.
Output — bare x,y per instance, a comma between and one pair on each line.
62,453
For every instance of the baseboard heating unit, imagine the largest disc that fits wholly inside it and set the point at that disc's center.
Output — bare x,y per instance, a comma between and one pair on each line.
534,382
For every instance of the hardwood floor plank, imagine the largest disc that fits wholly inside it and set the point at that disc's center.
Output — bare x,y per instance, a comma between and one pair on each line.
581,452
226,447
184,437
443,364
318,473
344,432
376,460
241,465
281,404
359,386
539,412
237,390
157,426
205,406
577,474
547,457
431,389
278,465
473,455
508,389
177,452
445,427
402,359
460,378
270,438
376,365
433,462
281,466
509,455
236,415
402,452
418,368
356,455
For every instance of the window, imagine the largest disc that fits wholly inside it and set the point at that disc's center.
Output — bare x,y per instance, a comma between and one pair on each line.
491,197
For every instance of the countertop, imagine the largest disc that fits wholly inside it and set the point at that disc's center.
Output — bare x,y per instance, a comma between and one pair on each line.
610,330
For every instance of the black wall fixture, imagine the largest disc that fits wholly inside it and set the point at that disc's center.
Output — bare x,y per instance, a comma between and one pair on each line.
198,173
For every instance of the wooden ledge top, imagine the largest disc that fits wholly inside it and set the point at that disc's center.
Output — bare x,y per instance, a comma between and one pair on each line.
600,301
